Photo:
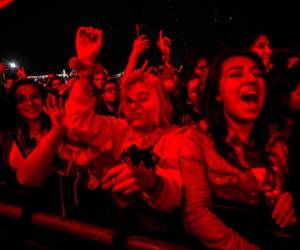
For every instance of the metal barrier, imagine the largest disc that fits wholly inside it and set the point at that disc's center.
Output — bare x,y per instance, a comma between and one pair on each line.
85,231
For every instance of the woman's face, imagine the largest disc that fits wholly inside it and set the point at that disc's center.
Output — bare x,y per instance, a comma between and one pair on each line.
261,47
242,89
99,79
29,102
192,89
294,101
139,106
110,93
202,68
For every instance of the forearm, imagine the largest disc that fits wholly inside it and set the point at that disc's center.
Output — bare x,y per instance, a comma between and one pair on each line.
130,67
37,166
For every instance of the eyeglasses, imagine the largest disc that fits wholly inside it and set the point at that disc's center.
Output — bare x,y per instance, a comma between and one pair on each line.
110,90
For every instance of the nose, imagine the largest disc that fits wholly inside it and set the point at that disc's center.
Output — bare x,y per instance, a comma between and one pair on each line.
268,50
250,78
133,106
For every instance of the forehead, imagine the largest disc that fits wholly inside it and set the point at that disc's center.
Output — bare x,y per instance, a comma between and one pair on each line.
110,84
57,81
261,39
99,75
202,62
26,90
238,61
137,88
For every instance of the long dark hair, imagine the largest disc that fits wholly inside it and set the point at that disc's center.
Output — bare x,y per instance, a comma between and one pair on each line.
214,110
18,122
280,95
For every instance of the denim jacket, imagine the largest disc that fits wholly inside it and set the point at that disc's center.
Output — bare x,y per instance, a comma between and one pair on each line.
208,176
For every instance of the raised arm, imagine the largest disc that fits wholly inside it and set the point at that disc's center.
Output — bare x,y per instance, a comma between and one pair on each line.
140,45
83,124
164,45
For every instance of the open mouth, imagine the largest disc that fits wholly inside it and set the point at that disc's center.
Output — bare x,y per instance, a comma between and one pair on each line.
249,97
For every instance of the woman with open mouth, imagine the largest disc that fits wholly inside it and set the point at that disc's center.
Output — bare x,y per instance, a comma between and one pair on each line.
232,169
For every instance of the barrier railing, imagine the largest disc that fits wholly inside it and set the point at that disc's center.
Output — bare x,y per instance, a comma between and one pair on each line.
85,231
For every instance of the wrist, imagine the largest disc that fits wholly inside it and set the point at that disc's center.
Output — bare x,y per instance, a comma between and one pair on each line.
166,58
156,184
57,132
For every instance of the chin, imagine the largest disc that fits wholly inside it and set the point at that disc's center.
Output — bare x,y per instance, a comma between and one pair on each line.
138,125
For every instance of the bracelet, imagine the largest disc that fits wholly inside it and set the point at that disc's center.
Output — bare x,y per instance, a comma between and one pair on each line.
76,64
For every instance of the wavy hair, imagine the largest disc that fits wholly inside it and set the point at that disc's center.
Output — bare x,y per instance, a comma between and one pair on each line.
162,113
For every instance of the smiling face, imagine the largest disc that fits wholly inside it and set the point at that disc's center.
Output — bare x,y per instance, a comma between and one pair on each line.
110,92
242,89
139,106
29,102
261,47
99,79
192,89
201,70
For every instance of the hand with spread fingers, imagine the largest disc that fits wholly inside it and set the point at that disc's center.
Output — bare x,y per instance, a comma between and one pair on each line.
21,73
3,67
55,110
140,45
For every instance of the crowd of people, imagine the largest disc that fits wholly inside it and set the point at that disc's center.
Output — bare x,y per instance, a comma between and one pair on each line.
204,154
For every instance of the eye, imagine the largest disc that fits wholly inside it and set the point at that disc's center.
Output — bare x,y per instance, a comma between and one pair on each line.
36,96
129,100
261,46
257,73
235,74
20,99
143,98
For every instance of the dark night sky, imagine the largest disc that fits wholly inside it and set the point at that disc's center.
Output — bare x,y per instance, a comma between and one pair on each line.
40,34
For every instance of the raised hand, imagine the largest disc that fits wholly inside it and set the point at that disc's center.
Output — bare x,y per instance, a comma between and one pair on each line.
164,45
21,73
3,67
56,112
140,45
89,42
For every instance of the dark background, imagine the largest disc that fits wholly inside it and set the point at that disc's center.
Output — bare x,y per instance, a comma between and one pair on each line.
39,35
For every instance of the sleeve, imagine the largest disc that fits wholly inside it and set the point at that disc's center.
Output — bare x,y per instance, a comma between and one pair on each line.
168,195
198,217
84,126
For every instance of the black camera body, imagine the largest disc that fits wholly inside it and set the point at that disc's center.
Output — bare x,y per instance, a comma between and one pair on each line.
136,156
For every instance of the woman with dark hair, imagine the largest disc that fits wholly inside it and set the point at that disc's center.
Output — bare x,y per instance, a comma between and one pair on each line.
29,148
232,169
191,89
262,47
285,115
